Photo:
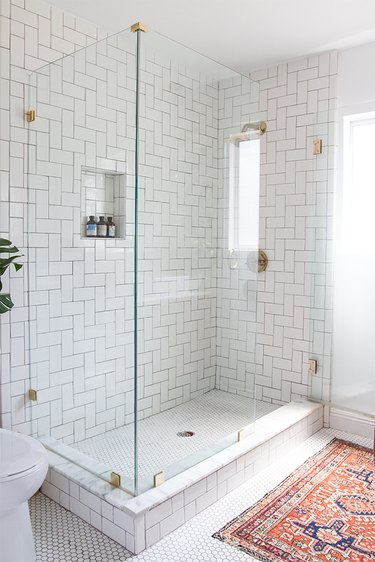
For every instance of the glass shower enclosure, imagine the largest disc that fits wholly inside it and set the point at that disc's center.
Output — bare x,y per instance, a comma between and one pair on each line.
142,338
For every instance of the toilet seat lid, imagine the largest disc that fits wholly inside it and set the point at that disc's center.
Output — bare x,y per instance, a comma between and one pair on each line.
18,453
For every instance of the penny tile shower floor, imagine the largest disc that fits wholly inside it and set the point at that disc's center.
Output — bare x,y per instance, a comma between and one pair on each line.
211,417
61,536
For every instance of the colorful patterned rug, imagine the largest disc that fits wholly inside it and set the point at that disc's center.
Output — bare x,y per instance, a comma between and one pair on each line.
325,510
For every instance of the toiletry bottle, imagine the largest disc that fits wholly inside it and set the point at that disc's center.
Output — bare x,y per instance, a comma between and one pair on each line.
91,226
102,228
111,228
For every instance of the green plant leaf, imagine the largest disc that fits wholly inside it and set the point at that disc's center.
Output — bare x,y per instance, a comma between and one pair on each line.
5,303
6,247
4,250
6,262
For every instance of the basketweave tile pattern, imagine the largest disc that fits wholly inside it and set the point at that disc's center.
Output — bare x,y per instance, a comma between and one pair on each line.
211,417
83,367
98,279
81,299
236,282
290,94
294,301
53,526
33,33
83,392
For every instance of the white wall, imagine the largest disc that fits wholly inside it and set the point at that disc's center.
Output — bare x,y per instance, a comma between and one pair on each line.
353,375
356,77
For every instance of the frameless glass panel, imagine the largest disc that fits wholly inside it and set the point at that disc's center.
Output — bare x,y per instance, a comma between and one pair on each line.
81,276
196,308
142,341
319,229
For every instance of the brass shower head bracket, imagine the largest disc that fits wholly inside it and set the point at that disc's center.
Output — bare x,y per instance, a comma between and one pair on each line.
260,127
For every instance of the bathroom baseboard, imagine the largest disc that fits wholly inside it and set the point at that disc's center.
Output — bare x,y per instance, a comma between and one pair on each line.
351,423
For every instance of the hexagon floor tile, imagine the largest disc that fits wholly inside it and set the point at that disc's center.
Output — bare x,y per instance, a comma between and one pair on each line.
62,537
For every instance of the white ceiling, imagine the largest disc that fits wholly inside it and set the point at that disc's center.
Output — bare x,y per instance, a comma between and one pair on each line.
243,34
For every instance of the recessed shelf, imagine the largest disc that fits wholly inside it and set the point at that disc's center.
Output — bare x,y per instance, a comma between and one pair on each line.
103,194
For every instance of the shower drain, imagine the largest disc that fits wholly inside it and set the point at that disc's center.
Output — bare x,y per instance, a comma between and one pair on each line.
185,434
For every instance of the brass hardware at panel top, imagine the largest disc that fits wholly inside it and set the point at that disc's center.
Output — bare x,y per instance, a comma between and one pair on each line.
262,261
30,115
159,479
115,479
318,146
33,395
313,366
139,26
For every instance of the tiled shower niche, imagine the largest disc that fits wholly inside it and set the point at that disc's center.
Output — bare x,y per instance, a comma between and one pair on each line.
103,193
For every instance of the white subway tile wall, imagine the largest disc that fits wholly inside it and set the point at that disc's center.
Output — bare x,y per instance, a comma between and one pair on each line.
82,346
33,33
81,296
298,101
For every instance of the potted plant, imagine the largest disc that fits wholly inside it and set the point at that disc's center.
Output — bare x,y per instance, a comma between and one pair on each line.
7,248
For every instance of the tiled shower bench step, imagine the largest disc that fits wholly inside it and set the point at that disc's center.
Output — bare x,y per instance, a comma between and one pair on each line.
139,522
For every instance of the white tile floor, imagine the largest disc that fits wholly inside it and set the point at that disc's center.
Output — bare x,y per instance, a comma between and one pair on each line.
63,537
211,417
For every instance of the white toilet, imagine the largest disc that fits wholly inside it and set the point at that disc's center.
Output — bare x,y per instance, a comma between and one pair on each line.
23,467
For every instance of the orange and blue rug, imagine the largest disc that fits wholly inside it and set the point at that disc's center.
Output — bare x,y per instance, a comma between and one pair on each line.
324,511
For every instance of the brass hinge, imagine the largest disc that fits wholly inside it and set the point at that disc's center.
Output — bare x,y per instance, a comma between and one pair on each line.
33,395
318,146
139,26
30,115
241,435
313,366
115,479
159,479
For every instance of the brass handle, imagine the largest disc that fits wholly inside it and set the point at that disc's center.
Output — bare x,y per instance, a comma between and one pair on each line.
262,261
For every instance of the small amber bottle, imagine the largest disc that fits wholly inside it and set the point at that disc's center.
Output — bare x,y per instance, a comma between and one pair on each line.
91,226
111,228
102,228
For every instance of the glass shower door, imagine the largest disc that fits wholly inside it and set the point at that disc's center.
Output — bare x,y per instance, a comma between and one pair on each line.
142,345
196,310
81,282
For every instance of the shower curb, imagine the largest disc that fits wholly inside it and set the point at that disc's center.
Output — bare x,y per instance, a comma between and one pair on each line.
138,523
